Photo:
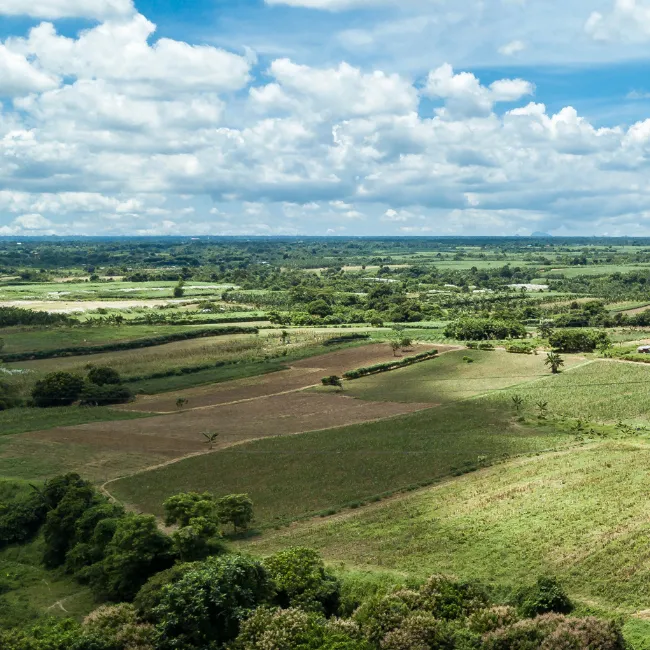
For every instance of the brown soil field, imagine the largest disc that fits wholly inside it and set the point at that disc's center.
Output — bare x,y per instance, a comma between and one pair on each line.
302,374
180,434
67,307
239,411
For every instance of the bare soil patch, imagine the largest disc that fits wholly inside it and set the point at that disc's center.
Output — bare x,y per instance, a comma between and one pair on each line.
302,374
68,307
181,434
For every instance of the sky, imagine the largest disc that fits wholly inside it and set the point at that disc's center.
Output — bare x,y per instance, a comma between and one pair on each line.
324,117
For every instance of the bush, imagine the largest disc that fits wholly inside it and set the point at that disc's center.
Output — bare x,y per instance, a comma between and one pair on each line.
57,389
521,348
333,380
103,395
483,329
102,376
546,595
390,365
575,340
21,520
206,606
300,580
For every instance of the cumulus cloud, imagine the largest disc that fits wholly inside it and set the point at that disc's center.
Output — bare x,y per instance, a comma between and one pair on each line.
629,20
111,131
464,94
53,9
19,77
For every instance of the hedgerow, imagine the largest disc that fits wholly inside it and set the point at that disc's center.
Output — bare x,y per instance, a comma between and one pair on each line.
390,365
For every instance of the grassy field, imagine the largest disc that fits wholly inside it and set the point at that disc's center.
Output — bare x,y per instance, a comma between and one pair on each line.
129,363
449,377
603,390
581,514
32,340
22,420
289,477
83,291
29,591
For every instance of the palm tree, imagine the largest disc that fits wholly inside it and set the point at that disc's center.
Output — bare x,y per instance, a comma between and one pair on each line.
554,361
542,407
518,401
210,439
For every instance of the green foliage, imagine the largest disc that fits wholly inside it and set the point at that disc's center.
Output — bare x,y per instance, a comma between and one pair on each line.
235,509
102,375
136,551
301,580
577,340
481,329
11,316
182,508
545,596
390,365
319,308
136,344
57,389
21,519
554,361
333,380
206,606
521,348
153,591
98,395
60,524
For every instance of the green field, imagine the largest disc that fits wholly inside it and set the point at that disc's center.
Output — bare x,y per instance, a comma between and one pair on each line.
581,514
449,377
292,476
22,420
605,391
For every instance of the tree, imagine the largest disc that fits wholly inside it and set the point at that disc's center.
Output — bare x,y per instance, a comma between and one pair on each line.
179,290
554,361
198,540
333,380
395,345
102,375
182,508
235,509
205,607
57,389
545,328
319,308
210,439
96,395
136,551
518,401
542,408
181,402
301,580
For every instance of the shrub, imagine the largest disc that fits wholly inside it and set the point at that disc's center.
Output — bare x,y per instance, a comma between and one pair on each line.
420,630
521,348
103,395
546,595
300,580
152,592
483,621
448,599
576,340
483,329
102,375
20,521
333,380
57,389
235,509
206,606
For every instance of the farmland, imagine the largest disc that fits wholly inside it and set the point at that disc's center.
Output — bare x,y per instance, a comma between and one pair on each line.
486,462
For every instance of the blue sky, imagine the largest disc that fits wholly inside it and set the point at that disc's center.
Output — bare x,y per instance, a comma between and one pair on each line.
318,117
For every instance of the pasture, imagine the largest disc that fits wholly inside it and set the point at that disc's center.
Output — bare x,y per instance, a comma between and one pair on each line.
580,514
292,477
450,378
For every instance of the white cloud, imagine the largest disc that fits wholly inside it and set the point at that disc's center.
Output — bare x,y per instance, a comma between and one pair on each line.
328,5
629,20
19,77
120,52
464,94
53,9
512,48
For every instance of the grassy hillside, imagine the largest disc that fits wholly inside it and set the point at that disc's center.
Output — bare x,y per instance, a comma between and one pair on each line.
293,476
581,514
603,391
450,378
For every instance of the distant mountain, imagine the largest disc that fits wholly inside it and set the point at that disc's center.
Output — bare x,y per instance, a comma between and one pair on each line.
541,234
